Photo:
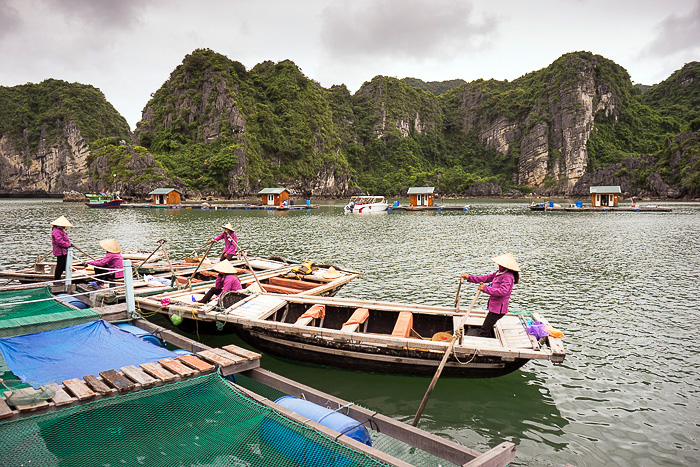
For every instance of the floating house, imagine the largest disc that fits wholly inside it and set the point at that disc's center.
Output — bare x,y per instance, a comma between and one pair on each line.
421,195
166,196
274,196
605,195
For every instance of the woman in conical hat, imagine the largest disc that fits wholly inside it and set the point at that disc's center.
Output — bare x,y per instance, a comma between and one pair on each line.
230,242
110,266
60,244
226,280
499,285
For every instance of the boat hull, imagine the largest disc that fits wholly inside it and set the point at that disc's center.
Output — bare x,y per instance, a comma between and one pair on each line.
115,203
349,356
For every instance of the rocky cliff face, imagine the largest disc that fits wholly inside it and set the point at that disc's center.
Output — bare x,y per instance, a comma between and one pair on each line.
50,169
551,131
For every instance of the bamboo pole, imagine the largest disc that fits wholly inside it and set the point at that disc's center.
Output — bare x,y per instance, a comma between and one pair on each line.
455,338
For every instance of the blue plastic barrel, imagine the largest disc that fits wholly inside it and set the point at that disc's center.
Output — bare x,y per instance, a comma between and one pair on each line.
308,202
145,335
579,204
72,300
327,417
551,204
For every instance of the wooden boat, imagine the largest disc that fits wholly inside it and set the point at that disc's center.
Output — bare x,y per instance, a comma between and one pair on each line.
384,337
103,200
184,301
366,205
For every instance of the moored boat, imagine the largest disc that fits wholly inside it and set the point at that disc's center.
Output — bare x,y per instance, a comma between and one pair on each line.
366,205
384,337
103,200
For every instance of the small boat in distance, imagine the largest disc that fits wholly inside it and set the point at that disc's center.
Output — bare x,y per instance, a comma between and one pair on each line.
366,205
103,200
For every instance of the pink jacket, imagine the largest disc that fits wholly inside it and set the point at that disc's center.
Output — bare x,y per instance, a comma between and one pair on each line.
59,241
500,289
112,261
227,282
230,242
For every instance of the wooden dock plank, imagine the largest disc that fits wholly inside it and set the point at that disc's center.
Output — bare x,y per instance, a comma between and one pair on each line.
138,375
177,367
28,392
117,380
229,356
196,363
5,410
61,397
241,352
98,385
78,389
213,357
158,371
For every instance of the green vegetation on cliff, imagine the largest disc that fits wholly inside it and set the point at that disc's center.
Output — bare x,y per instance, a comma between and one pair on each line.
31,112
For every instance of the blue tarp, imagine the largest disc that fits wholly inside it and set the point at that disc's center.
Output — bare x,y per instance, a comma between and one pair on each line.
73,352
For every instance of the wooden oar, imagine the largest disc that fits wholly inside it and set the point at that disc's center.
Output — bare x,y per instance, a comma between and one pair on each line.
455,338
160,243
189,279
245,258
86,254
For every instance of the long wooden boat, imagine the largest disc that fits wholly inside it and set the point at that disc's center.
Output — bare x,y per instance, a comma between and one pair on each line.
385,337
573,208
183,301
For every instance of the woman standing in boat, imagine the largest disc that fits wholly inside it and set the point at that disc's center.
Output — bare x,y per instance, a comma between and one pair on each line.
226,280
230,242
499,285
60,244
112,264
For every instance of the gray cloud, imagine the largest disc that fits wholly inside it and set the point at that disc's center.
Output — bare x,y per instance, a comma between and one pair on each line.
10,20
677,33
402,28
100,14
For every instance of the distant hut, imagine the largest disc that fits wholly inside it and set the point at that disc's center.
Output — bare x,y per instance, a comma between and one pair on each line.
605,195
166,196
421,195
274,196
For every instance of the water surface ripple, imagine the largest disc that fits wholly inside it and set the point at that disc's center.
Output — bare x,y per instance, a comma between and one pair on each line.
623,287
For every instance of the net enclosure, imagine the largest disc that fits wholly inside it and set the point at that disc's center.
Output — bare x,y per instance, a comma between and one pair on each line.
203,421
34,310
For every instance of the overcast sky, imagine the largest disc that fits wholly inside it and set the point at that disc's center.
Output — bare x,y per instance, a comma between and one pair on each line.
127,48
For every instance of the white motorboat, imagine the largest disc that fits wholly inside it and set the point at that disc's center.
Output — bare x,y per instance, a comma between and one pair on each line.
366,205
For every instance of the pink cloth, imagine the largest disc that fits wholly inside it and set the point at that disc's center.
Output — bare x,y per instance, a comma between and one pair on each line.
113,261
59,241
230,242
227,282
499,290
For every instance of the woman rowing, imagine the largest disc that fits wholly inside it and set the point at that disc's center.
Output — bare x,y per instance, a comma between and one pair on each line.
230,242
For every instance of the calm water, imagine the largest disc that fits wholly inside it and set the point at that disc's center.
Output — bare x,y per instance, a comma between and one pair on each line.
623,287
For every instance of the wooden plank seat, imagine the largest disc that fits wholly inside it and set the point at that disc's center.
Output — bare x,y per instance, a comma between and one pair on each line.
404,325
358,317
281,289
315,312
292,283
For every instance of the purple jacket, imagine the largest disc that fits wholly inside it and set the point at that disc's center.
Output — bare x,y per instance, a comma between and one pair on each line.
59,241
227,282
230,242
112,261
499,290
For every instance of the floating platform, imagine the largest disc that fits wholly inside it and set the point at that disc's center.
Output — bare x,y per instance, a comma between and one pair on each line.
557,208
216,207
447,207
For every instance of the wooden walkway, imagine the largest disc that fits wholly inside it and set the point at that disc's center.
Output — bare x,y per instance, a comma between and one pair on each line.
229,360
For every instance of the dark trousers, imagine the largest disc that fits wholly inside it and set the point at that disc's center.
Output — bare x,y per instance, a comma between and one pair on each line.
229,256
60,266
107,277
490,321
210,293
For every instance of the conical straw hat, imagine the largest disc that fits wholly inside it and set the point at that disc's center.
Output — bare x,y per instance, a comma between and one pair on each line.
110,245
227,226
507,261
332,273
225,267
62,222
